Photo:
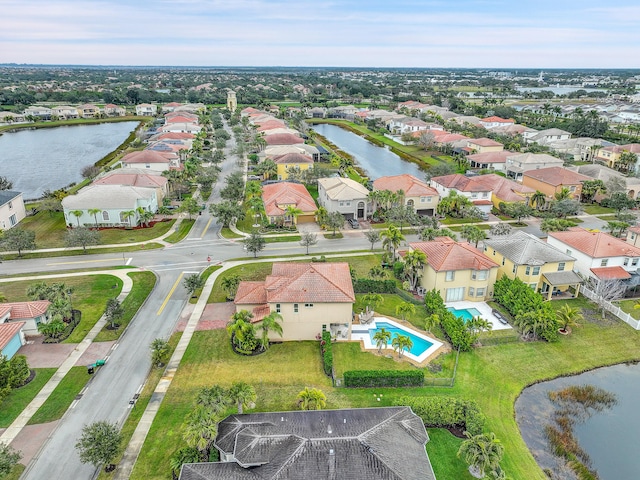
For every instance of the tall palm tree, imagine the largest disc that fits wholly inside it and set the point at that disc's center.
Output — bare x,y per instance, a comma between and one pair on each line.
77,214
214,399
482,453
405,308
94,212
242,394
538,200
270,323
392,237
240,326
127,215
253,190
292,212
382,337
400,343
312,399
568,317
372,299
199,430
414,262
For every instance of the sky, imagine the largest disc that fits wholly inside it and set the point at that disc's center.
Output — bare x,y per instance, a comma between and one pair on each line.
343,33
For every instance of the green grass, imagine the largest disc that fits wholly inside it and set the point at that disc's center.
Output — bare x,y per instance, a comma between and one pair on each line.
183,230
14,403
606,218
90,251
628,307
331,236
63,395
441,444
15,473
226,232
597,209
205,275
143,283
350,356
282,239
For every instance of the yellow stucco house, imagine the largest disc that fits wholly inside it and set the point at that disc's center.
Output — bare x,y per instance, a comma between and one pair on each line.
611,154
541,266
287,161
457,270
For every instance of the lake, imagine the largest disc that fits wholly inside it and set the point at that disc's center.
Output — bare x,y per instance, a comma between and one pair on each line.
52,158
559,89
611,438
376,161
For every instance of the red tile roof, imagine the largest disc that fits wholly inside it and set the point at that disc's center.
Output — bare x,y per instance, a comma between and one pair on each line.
278,195
271,124
557,176
596,244
611,273
148,156
490,157
8,331
32,309
133,179
410,185
180,119
484,142
251,292
292,158
444,254
283,139
495,119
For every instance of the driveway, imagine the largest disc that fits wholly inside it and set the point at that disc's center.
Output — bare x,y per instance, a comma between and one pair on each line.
51,355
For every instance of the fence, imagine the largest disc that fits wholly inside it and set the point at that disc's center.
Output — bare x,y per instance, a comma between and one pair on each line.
611,308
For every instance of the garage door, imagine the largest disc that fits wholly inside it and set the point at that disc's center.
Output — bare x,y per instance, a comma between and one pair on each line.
306,219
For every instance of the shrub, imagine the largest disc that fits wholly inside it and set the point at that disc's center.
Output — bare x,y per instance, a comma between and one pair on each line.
383,378
367,285
398,270
456,331
326,349
447,412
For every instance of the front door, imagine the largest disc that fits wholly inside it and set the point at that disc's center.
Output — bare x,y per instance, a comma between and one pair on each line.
360,209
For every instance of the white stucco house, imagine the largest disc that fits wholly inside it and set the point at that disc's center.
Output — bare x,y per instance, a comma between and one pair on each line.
29,314
152,160
344,195
11,209
146,110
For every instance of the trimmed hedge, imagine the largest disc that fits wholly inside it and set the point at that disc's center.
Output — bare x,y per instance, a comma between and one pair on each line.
383,378
438,411
367,285
326,349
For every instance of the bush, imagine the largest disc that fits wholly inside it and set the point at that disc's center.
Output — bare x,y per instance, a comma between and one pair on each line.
326,349
19,371
398,270
456,331
367,285
447,412
383,378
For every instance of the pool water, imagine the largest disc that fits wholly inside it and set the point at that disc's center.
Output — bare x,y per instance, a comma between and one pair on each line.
465,313
420,345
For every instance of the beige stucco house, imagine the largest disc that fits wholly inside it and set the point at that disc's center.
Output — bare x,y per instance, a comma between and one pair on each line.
11,209
417,194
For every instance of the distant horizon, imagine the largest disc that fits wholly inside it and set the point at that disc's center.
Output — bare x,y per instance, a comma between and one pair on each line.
467,34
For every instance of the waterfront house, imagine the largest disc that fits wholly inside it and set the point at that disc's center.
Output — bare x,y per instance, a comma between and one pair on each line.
111,110
416,193
12,209
35,111
136,178
146,110
295,161
152,160
490,160
30,314
518,163
344,195
88,110
65,112
552,180
482,145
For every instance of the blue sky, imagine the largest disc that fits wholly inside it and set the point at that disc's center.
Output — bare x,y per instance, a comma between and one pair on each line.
399,33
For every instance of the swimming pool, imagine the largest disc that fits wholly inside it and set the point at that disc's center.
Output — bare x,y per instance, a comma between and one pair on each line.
465,313
420,344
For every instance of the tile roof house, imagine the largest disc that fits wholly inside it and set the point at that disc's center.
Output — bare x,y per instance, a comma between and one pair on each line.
311,297
344,195
494,121
482,145
490,160
11,338
544,137
599,255
417,194
457,270
88,110
12,209
188,127
278,196
633,236
146,110
283,139
112,110
518,163
346,444
136,178
31,314
407,125
552,180
611,154
153,160
297,161
274,150
538,264
65,111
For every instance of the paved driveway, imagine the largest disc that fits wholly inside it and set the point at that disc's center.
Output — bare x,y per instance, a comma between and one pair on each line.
51,355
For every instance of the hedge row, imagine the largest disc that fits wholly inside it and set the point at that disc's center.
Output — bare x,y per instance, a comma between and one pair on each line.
383,378
438,411
367,285
327,353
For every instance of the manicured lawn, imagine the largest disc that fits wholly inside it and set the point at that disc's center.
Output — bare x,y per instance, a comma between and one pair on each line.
605,217
16,472
282,239
183,230
14,403
226,232
331,236
143,283
205,275
89,251
627,306
445,465
597,209
350,356
63,395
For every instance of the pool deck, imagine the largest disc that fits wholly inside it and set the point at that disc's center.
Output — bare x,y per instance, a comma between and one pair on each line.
483,308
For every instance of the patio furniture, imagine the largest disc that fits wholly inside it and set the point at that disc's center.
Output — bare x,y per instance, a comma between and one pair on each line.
499,316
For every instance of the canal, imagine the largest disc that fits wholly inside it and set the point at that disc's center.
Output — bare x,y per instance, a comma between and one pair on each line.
376,161
52,158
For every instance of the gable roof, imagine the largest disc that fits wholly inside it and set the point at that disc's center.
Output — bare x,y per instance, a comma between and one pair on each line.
410,185
495,119
292,158
525,249
373,443
8,331
32,309
107,197
502,187
443,254
557,176
124,177
283,139
338,188
484,142
148,156
490,157
286,193
596,244
7,196
610,273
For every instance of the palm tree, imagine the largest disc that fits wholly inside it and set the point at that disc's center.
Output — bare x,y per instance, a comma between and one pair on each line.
568,317
242,394
180,457
312,399
127,215
77,214
253,190
392,237
269,324
292,212
482,453
54,328
145,216
382,337
372,299
377,272
414,262
199,430
563,194
94,212
404,309
431,321
60,306
240,327
400,342
230,285
214,399
538,199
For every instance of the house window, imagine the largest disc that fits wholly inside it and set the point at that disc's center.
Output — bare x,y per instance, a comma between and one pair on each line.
474,195
342,204
147,166
626,261
450,276
485,194
503,260
604,262
561,267
471,291
13,220
633,236
634,262
308,305
536,271
10,205
533,286
295,308
572,188
105,215
278,308
480,292
527,270
515,267
479,275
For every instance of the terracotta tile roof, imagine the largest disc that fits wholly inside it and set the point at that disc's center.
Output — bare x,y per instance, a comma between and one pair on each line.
4,310
8,331
490,157
251,292
283,139
495,119
121,177
557,176
148,156
27,309
443,254
629,147
174,136
270,124
260,312
461,183
410,185
292,158
596,244
446,137
484,142
277,195
611,273
180,119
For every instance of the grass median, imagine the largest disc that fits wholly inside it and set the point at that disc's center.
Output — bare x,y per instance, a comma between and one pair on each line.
62,397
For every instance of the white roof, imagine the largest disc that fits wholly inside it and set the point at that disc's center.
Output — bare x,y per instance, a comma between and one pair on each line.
339,188
107,197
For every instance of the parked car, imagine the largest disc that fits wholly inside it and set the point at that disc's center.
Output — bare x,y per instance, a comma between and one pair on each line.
484,216
354,223
253,177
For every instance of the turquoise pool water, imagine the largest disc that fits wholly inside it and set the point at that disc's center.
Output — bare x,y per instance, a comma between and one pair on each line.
420,345
465,313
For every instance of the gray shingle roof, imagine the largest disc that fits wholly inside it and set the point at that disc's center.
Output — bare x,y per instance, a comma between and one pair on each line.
8,195
524,249
351,444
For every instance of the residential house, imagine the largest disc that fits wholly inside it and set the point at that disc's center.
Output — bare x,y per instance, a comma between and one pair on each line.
611,154
490,160
552,180
599,255
494,121
170,107
11,117
111,110
296,161
519,163
196,108
457,270
363,443
118,205
278,196
467,119
344,111
88,110
11,338
152,160
544,137
283,139
65,112
344,195
180,117
444,139
43,113
146,110
478,192
310,297
29,314
633,236
136,178
417,194
274,150
12,209
600,172
316,112
512,130
407,125
541,266
181,127
482,145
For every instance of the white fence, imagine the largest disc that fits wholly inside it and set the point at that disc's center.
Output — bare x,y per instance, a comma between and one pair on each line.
610,307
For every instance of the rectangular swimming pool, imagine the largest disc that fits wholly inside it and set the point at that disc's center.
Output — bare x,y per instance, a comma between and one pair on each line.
420,345
465,313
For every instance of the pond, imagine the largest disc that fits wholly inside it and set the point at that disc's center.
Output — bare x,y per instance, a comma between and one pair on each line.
52,158
611,438
376,161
